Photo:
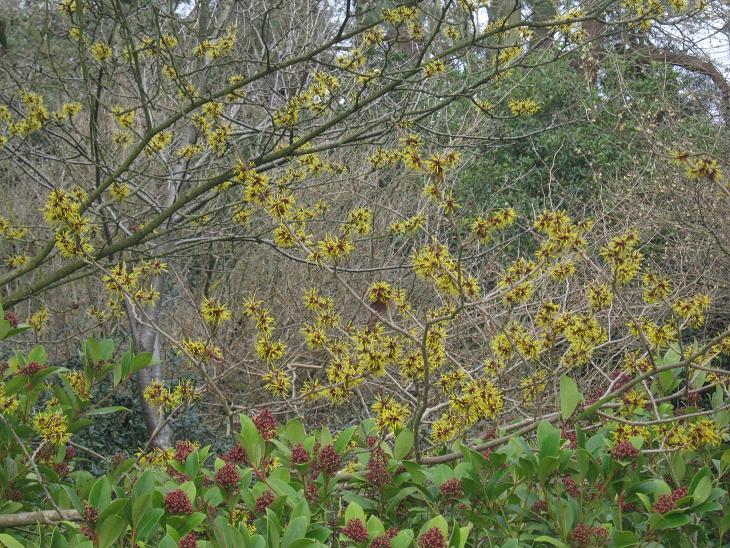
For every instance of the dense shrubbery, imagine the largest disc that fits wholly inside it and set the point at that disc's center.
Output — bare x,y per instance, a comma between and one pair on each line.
578,483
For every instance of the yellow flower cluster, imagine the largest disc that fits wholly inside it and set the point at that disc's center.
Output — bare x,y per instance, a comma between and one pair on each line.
622,256
692,309
125,118
410,224
158,457
277,382
52,425
517,281
656,288
399,15
478,399
157,394
583,333
390,415
214,312
119,191
360,221
314,97
16,261
159,142
483,226
101,51
8,404
78,381
268,349
523,107
120,281
38,319
695,435
533,385
434,68
67,111
562,235
635,362
200,351
599,296
215,49
434,262
62,209
633,401
36,114
657,335
704,168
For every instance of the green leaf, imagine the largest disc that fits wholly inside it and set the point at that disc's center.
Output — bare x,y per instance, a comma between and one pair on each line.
679,466
439,522
552,541
294,431
659,522
149,523
144,484
189,489
624,539
344,438
225,535
570,396
549,439
702,488
57,539
355,511
106,410
402,539
140,506
547,466
666,379
403,444
140,361
296,529
38,354
375,526
283,488
252,441
101,494
9,542
110,529
724,524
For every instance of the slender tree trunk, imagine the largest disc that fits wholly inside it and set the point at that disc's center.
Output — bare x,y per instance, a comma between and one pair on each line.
146,337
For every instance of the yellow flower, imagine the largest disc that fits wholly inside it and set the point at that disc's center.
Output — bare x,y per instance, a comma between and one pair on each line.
159,142
101,51
434,67
656,288
77,380
125,118
269,350
360,221
52,425
533,385
8,404
390,414
523,107
599,296
214,312
335,247
119,191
